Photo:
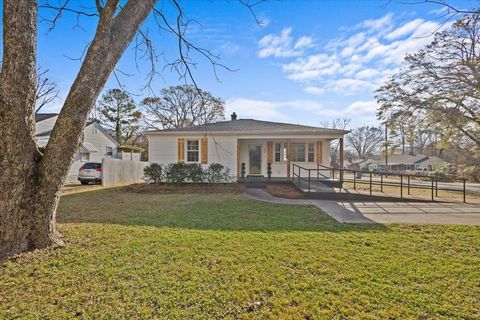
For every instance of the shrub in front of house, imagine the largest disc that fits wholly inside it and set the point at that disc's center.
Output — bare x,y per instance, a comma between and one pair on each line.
178,173
153,173
195,172
218,173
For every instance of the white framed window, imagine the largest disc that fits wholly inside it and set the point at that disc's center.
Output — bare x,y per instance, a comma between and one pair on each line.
298,152
94,129
280,152
85,156
311,152
193,150
109,152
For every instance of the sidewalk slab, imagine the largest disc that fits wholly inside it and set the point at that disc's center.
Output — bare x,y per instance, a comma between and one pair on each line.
385,212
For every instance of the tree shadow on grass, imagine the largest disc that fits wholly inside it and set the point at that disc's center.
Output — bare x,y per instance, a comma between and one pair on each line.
199,212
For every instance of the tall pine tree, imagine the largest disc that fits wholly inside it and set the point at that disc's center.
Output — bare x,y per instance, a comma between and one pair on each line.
118,112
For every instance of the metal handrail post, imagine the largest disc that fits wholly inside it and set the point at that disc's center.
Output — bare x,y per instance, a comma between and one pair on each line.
401,187
308,180
464,191
408,183
432,187
381,182
299,180
436,186
354,180
370,183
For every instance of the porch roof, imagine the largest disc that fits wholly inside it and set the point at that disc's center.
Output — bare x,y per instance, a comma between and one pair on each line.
255,126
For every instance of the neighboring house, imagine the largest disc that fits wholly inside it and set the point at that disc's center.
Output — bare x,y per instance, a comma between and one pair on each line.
361,164
96,145
405,162
245,141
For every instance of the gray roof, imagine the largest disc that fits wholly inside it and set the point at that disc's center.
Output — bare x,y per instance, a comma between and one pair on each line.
411,159
43,116
246,125
44,133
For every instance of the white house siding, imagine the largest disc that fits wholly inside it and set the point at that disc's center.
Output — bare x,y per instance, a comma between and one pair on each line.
221,149
162,149
100,140
45,125
92,134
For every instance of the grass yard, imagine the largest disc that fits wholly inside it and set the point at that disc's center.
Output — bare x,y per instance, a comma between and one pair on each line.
214,255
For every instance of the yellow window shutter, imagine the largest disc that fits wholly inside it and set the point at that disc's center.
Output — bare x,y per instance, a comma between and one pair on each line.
319,152
204,150
181,150
269,151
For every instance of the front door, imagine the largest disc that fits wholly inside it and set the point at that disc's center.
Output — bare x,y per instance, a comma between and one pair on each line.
255,159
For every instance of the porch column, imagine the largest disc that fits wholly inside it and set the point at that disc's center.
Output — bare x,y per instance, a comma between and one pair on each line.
341,157
288,157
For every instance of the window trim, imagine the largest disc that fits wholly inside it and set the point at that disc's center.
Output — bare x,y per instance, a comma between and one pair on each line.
282,152
310,153
109,154
304,152
88,156
187,150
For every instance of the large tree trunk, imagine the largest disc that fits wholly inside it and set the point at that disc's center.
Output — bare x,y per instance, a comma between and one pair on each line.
30,184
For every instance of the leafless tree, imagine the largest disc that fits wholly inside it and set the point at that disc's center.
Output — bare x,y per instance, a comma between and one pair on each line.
364,140
47,90
182,106
341,124
31,181
440,84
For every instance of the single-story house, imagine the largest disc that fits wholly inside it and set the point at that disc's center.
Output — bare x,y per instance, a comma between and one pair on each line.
96,145
406,162
253,143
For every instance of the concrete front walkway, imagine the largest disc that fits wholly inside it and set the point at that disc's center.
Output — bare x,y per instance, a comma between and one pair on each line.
385,212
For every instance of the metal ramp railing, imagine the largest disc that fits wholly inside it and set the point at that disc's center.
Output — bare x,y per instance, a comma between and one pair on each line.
306,178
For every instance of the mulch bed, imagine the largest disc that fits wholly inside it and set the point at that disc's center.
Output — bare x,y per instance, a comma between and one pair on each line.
284,191
185,188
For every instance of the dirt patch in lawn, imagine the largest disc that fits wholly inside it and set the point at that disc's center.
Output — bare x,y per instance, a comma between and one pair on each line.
185,188
284,191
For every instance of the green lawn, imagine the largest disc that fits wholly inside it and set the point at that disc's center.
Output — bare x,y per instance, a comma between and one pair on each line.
218,255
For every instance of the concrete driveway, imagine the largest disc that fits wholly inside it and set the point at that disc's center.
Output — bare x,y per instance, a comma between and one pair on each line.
386,212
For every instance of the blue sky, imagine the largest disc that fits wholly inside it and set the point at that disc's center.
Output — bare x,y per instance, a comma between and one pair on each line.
308,62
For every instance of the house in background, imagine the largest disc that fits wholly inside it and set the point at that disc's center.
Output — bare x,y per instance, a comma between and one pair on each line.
405,162
96,145
253,143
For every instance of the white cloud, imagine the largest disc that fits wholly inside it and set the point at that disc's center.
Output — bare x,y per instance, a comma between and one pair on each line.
358,61
312,110
315,66
382,23
314,90
367,73
257,109
404,29
283,45
362,107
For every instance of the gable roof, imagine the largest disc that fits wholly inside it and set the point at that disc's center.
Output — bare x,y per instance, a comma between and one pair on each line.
47,133
251,125
44,116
